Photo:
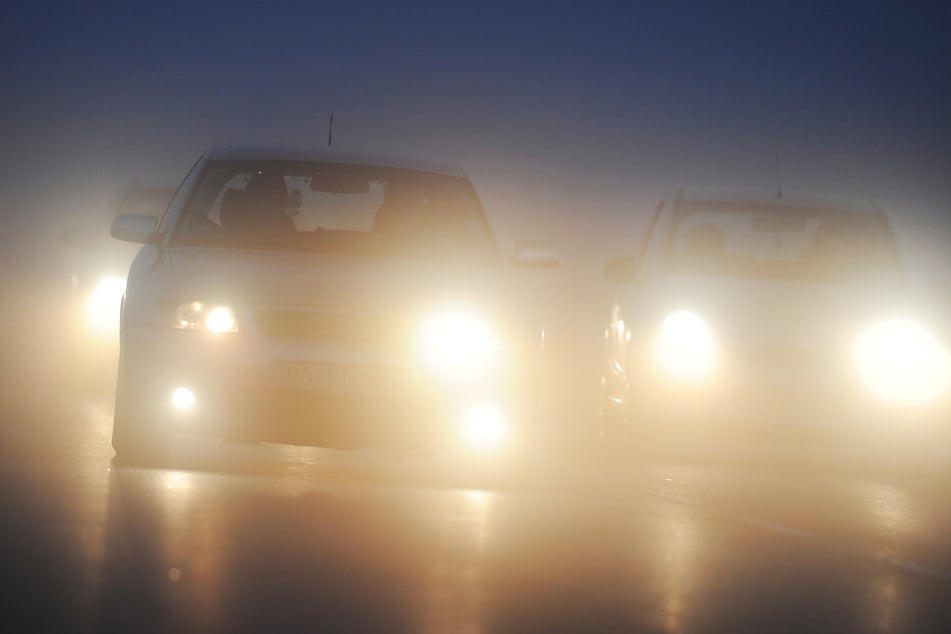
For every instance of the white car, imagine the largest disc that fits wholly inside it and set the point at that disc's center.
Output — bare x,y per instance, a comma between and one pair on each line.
741,314
311,297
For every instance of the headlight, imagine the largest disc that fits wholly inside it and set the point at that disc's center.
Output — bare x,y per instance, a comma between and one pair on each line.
902,362
457,343
484,427
103,305
199,316
685,349
183,398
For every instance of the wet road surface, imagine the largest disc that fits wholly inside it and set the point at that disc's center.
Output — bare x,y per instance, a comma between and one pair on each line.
279,538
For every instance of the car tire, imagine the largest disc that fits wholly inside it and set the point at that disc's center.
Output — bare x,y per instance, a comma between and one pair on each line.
138,439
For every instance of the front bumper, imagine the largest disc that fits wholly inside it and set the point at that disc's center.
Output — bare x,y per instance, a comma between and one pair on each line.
786,393
231,379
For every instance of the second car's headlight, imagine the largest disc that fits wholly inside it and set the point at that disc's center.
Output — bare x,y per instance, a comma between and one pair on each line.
199,316
901,361
685,348
454,343
103,305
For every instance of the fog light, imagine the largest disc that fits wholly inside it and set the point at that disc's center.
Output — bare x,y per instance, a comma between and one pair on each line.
183,398
484,427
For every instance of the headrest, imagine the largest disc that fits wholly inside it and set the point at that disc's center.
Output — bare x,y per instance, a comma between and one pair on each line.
233,205
268,190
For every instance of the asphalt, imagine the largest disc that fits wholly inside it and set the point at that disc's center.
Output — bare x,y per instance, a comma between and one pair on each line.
277,538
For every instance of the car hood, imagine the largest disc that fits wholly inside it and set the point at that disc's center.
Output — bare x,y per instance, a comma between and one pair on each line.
778,314
333,282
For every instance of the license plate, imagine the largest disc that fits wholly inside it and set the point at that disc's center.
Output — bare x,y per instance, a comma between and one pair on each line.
318,377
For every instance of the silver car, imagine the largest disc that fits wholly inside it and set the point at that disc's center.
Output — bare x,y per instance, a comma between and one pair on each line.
317,298
739,315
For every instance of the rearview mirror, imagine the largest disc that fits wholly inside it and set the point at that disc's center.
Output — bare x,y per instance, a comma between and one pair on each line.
134,228
339,182
621,269
534,254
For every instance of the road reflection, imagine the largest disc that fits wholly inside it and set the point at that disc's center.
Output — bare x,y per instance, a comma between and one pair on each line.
888,507
677,544
329,541
193,546
227,551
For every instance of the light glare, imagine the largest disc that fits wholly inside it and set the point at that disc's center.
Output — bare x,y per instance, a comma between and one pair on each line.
183,398
103,305
197,316
221,319
484,427
685,349
176,481
457,343
902,362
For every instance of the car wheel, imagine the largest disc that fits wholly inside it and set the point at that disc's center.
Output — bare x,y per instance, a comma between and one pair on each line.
138,439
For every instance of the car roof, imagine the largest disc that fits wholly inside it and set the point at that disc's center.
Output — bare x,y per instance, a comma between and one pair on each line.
327,155
794,200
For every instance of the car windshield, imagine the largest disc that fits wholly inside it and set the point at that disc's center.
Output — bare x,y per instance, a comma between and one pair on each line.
770,241
338,208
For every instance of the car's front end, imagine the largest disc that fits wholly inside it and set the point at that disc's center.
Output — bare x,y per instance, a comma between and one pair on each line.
751,319
398,370
337,304
831,370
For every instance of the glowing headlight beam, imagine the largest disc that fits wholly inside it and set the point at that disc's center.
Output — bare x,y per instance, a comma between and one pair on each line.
221,319
685,349
484,427
199,316
103,305
183,398
457,343
902,362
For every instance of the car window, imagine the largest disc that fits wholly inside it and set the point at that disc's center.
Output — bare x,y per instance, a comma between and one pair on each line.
641,250
745,240
338,208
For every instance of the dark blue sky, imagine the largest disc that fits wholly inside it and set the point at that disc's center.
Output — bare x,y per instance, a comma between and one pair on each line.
575,108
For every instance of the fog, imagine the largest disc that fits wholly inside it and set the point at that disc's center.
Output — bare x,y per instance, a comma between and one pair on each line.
572,121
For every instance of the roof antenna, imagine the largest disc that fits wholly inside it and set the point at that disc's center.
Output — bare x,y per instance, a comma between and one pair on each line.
330,131
779,181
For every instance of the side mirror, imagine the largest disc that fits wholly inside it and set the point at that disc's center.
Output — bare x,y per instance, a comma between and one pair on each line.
134,228
621,269
534,254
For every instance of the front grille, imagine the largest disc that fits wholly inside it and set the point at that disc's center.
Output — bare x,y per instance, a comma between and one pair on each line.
325,326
